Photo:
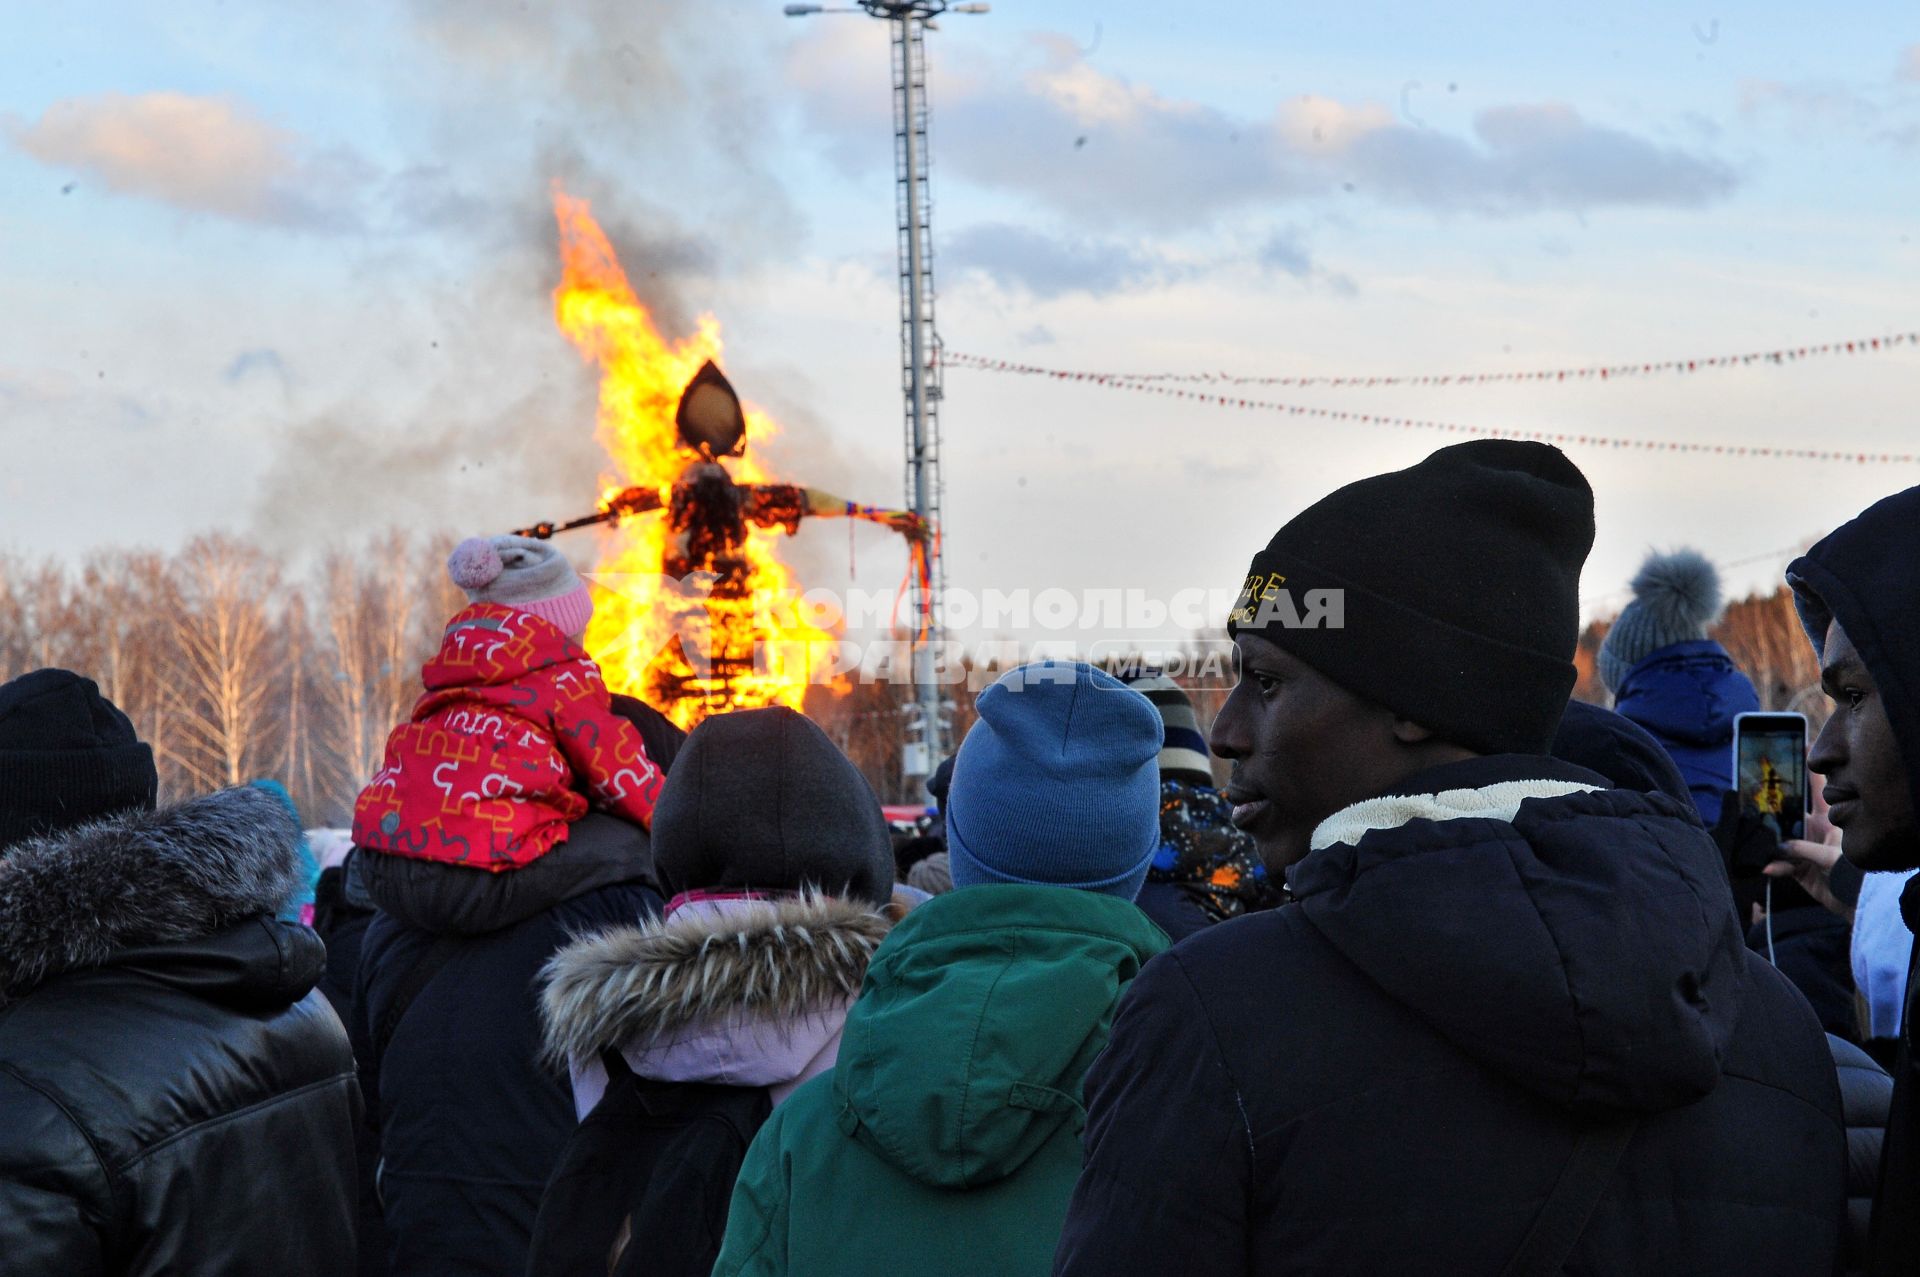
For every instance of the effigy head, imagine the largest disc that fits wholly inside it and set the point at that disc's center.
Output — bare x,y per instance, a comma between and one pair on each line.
710,420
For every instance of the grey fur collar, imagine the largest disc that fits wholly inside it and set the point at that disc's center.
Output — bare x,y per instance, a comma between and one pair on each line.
74,898
634,985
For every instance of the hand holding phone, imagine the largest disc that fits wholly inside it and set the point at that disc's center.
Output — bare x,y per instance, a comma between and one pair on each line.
1811,865
1770,771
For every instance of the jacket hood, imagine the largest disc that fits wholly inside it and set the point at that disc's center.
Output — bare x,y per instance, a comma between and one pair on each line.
488,644
1578,941
1688,692
1620,750
736,992
1861,574
143,880
969,1043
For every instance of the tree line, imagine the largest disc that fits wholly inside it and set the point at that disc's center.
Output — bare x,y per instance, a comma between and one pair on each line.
234,665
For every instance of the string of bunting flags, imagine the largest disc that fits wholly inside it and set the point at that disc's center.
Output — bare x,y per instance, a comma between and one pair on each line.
1168,386
1597,372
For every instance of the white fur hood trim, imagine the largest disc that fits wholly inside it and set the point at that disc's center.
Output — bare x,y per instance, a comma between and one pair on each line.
1494,802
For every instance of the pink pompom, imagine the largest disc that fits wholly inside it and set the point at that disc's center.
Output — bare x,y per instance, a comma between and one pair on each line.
474,564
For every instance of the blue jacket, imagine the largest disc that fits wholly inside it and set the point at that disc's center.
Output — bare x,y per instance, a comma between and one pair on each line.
1687,695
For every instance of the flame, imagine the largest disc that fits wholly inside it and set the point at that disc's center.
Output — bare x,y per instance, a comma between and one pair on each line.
635,620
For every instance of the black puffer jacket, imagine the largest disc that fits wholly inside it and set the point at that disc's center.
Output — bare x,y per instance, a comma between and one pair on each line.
1390,1075
1866,1097
174,1097
471,1122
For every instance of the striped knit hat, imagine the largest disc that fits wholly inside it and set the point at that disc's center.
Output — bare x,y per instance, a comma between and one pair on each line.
1184,754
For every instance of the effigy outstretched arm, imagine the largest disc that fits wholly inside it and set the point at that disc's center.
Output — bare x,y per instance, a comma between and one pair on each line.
614,507
824,505
921,546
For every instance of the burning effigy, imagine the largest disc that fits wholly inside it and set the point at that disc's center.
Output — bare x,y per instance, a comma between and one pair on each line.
699,615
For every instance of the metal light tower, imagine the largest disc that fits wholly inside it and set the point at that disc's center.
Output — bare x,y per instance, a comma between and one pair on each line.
919,373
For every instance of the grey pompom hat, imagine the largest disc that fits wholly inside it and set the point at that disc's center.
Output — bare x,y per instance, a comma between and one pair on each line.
1675,598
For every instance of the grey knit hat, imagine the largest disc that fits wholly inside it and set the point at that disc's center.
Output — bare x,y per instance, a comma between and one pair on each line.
933,875
1675,598
523,573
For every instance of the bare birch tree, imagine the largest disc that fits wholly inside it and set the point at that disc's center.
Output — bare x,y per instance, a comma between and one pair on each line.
226,668
1764,637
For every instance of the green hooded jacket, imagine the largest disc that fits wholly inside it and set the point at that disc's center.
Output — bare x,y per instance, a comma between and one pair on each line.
947,1137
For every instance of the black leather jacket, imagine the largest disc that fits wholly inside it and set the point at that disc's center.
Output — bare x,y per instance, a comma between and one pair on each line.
174,1097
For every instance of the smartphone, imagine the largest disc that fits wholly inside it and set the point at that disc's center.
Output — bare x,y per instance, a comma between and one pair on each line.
1770,770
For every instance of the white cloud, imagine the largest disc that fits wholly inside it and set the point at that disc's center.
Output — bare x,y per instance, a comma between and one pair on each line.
1532,157
1106,151
1311,124
1878,112
1046,267
204,154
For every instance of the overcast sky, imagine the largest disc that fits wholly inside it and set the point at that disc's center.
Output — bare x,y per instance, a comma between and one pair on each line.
286,268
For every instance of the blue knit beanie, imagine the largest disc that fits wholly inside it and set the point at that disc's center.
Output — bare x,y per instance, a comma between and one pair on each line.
1058,783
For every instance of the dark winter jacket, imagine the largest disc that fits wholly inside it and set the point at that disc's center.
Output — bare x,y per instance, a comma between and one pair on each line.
1173,908
1866,1095
1621,750
174,1096
342,913
946,1140
1811,947
340,918
683,1035
1862,575
1390,1075
471,1120
1687,695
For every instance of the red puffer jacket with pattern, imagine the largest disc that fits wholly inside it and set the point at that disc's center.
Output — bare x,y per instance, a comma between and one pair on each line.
491,768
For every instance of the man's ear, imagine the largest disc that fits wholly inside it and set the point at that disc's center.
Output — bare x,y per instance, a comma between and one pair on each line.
1408,732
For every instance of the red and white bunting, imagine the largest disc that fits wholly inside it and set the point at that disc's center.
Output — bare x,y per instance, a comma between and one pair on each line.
1597,372
1170,385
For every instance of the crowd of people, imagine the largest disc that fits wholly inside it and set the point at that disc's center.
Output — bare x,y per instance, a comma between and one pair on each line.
1452,975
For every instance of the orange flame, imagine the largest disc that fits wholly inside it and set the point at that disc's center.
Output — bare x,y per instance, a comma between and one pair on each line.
637,617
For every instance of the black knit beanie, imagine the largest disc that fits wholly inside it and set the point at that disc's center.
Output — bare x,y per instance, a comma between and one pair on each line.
67,755
1458,581
761,800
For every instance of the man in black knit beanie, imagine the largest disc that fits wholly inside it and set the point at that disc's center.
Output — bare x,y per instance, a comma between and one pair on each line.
174,1096
1509,1024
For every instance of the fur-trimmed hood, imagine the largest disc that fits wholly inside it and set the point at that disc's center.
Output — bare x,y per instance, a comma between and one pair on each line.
73,899
741,992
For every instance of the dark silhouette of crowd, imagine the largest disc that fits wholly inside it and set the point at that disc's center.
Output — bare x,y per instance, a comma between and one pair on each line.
1404,963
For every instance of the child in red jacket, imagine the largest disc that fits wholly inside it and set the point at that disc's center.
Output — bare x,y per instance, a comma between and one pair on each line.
516,731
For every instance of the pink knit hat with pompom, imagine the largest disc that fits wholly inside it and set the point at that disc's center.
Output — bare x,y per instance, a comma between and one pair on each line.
520,572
